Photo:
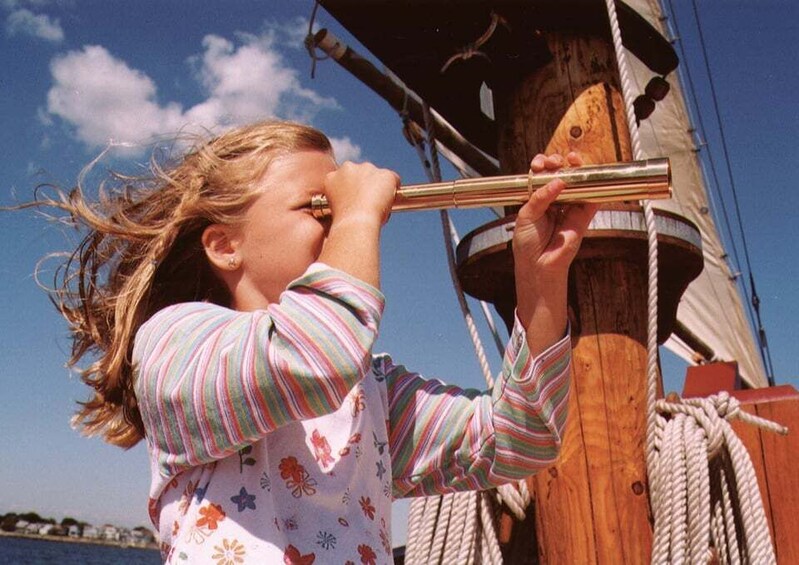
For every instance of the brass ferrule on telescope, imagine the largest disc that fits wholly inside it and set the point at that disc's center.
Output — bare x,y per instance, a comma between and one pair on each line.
634,180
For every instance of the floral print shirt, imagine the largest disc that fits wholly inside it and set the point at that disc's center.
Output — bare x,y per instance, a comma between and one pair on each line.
277,437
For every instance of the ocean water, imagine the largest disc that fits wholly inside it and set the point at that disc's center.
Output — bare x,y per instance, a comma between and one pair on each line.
23,551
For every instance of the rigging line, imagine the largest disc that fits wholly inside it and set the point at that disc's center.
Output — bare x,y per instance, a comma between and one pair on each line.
763,349
761,329
698,116
716,184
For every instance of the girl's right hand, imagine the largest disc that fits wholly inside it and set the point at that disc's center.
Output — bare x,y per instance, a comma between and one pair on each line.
361,192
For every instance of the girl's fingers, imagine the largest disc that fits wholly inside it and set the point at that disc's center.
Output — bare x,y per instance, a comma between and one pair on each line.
543,162
574,159
541,199
537,164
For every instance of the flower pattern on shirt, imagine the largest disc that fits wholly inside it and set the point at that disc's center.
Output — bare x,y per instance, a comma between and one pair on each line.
358,403
230,552
380,446
244,500
384,538
245,459
326,540
199,492
368,555
298,480
321,449
367,507
186,497
211,514
292,556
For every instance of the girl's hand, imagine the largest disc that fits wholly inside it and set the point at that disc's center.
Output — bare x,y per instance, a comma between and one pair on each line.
545,241
547,236
361,192
360,198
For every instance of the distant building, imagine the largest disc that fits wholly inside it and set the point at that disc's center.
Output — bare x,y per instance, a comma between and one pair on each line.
74,531
110,533
141,536
46,529
90,532
21,525
33,528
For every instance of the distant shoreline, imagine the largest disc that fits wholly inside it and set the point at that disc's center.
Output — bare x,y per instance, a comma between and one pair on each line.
85,541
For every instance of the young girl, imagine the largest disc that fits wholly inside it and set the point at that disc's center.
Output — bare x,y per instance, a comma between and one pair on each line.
234,333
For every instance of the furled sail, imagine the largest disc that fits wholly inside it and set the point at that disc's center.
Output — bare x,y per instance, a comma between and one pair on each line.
711,309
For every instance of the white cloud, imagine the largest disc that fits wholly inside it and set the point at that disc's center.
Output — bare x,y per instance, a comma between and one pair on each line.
345,150
106,100
291,34
250,82
25,22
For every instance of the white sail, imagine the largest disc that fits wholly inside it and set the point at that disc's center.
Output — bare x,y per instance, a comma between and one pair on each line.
712,307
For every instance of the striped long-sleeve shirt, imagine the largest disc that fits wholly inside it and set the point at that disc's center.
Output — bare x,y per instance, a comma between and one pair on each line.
276,434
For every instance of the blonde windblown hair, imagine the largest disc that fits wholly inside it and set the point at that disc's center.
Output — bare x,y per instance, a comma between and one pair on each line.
143,252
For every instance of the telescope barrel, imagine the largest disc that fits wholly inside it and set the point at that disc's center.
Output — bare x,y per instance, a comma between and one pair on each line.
634,180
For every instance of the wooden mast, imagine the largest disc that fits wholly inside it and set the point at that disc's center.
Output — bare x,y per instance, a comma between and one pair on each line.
596,491
592,505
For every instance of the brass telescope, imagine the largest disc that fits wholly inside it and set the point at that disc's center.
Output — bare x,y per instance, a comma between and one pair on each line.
616,182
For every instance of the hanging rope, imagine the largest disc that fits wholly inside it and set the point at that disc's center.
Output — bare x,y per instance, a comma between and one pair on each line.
458,528
690,443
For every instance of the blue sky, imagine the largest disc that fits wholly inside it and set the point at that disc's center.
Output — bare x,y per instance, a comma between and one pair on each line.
74,75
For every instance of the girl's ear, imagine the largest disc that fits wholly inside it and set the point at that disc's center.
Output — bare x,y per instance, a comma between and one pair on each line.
220,247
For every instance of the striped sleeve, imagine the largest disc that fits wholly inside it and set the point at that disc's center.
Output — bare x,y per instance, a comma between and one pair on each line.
445,439
210,380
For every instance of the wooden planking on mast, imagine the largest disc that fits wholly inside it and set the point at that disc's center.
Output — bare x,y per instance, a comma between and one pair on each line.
592,505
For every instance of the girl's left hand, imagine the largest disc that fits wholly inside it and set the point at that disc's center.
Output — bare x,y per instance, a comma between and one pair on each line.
548,235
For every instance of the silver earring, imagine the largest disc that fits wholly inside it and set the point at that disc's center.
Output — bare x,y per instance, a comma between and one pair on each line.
232,263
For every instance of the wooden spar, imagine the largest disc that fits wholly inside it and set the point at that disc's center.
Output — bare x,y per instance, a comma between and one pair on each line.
592,505
401,100
701,349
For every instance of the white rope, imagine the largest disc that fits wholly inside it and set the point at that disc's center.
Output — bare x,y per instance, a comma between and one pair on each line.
459,528
680,448
698,431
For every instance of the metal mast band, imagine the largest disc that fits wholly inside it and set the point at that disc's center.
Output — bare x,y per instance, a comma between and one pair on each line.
634,180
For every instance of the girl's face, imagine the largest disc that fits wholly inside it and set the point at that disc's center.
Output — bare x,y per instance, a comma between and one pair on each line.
280,238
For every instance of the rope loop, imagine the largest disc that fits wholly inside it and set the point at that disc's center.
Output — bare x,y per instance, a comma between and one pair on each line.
310,41
727,406
473,49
